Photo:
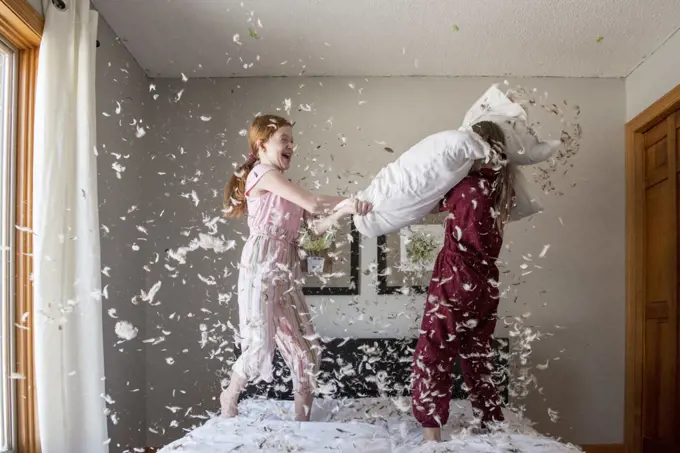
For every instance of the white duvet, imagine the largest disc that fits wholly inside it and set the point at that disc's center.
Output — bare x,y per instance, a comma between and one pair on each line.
373,425
409,188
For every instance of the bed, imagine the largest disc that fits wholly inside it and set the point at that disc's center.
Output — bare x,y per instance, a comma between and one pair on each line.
363,407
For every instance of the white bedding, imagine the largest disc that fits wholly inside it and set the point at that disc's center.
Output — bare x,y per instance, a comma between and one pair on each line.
354,426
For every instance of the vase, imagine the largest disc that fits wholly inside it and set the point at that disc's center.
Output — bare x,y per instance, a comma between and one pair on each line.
315,264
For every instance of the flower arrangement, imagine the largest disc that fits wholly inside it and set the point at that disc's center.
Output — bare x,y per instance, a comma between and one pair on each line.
316,245
421,248
315,249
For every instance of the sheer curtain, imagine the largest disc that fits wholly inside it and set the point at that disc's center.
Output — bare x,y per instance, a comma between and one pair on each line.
67,285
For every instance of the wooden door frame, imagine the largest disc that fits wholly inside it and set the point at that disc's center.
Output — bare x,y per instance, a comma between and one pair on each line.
635,252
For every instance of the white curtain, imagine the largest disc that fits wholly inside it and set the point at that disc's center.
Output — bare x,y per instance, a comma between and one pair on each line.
67,284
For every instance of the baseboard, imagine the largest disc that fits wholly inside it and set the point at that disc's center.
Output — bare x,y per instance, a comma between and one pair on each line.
603,448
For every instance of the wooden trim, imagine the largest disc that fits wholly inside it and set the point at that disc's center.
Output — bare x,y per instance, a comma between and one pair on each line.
635,253
27,424
23,26
672,319
634,289
20,24
656,112
603,448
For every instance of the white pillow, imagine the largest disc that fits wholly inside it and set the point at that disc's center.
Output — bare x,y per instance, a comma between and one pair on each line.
522,147
521,144
409,188
525,204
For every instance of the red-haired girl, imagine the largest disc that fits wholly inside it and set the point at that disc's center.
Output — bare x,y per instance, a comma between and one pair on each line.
273,312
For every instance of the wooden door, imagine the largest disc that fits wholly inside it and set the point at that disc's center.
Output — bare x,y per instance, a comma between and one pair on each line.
653,201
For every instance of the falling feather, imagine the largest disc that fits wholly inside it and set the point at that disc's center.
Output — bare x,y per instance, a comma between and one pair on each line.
125,330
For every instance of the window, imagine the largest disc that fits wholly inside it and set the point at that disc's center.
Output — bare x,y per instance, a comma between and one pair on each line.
8,111
21,29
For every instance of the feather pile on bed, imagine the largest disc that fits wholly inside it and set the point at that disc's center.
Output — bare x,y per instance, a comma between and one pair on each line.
370,425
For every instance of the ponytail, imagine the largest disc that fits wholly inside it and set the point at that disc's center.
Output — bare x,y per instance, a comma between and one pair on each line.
235,190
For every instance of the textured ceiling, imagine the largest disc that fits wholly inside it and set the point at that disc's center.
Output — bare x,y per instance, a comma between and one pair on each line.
570,38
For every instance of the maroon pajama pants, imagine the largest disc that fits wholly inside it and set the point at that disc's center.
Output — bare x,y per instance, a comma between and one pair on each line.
459,319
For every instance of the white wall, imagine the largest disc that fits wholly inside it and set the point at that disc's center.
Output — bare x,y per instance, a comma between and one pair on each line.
658,75
579,287
120,81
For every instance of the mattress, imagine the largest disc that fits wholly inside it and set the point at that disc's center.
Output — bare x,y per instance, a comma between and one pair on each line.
368,425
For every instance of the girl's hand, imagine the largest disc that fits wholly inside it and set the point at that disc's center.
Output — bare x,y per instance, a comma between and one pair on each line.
347,207
362,208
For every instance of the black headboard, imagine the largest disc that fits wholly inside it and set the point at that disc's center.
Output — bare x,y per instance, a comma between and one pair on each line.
367,368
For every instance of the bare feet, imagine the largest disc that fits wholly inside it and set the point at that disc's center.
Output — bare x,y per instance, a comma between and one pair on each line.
432,435
229,397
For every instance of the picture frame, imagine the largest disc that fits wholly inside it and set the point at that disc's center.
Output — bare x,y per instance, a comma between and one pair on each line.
432,235
394,276
347,259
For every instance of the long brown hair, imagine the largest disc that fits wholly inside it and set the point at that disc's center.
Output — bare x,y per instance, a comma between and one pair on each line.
503,185
261,129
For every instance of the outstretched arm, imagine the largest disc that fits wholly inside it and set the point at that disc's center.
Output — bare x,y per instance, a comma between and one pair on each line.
320,226
278,184
323,224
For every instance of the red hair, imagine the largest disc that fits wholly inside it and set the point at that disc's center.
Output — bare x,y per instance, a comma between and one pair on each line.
261,129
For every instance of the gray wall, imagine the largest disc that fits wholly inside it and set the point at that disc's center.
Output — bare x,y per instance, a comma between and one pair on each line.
656,76
576,297
120,80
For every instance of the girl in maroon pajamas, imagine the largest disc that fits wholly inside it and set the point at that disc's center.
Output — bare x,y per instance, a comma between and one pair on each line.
460,311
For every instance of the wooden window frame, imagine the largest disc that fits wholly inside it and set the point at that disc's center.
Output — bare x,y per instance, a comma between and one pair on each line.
22,26
635,252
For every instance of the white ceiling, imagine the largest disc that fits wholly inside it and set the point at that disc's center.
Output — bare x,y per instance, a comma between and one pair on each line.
391,37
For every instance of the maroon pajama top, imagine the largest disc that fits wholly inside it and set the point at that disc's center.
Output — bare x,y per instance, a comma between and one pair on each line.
460,310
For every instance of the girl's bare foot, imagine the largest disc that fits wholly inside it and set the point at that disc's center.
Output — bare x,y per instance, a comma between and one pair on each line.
229,397
432,435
